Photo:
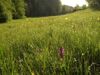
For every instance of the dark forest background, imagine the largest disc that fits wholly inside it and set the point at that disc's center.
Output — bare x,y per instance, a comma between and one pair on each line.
17,9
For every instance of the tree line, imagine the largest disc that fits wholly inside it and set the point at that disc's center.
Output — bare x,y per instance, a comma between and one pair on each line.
16,9
94,4
11,9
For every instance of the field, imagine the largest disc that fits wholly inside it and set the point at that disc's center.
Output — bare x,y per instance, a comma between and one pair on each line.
31,46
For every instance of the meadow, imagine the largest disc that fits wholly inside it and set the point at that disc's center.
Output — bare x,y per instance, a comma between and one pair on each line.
31,46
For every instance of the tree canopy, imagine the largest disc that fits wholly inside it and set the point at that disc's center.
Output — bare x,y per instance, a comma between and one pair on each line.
5,10
95,4
43,7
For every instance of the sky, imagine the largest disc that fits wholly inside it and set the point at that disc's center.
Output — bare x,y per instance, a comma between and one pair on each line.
74,2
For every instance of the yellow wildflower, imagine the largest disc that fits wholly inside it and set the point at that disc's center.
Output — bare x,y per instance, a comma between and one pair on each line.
32,73
98,19
66,18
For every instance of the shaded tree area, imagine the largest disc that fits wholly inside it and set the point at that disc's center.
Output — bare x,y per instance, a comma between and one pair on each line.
18,10
67,9
5,10
94,4
43,7
77,7
11,9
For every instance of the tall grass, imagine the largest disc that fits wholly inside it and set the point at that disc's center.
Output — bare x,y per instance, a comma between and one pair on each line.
31,46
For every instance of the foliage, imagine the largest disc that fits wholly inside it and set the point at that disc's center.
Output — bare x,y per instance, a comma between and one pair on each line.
43,8
5,11
95,4
84,7
77,7
11,9
18,9
67,9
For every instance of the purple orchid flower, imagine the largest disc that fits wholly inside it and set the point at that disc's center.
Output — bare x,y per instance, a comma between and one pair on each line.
61,52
